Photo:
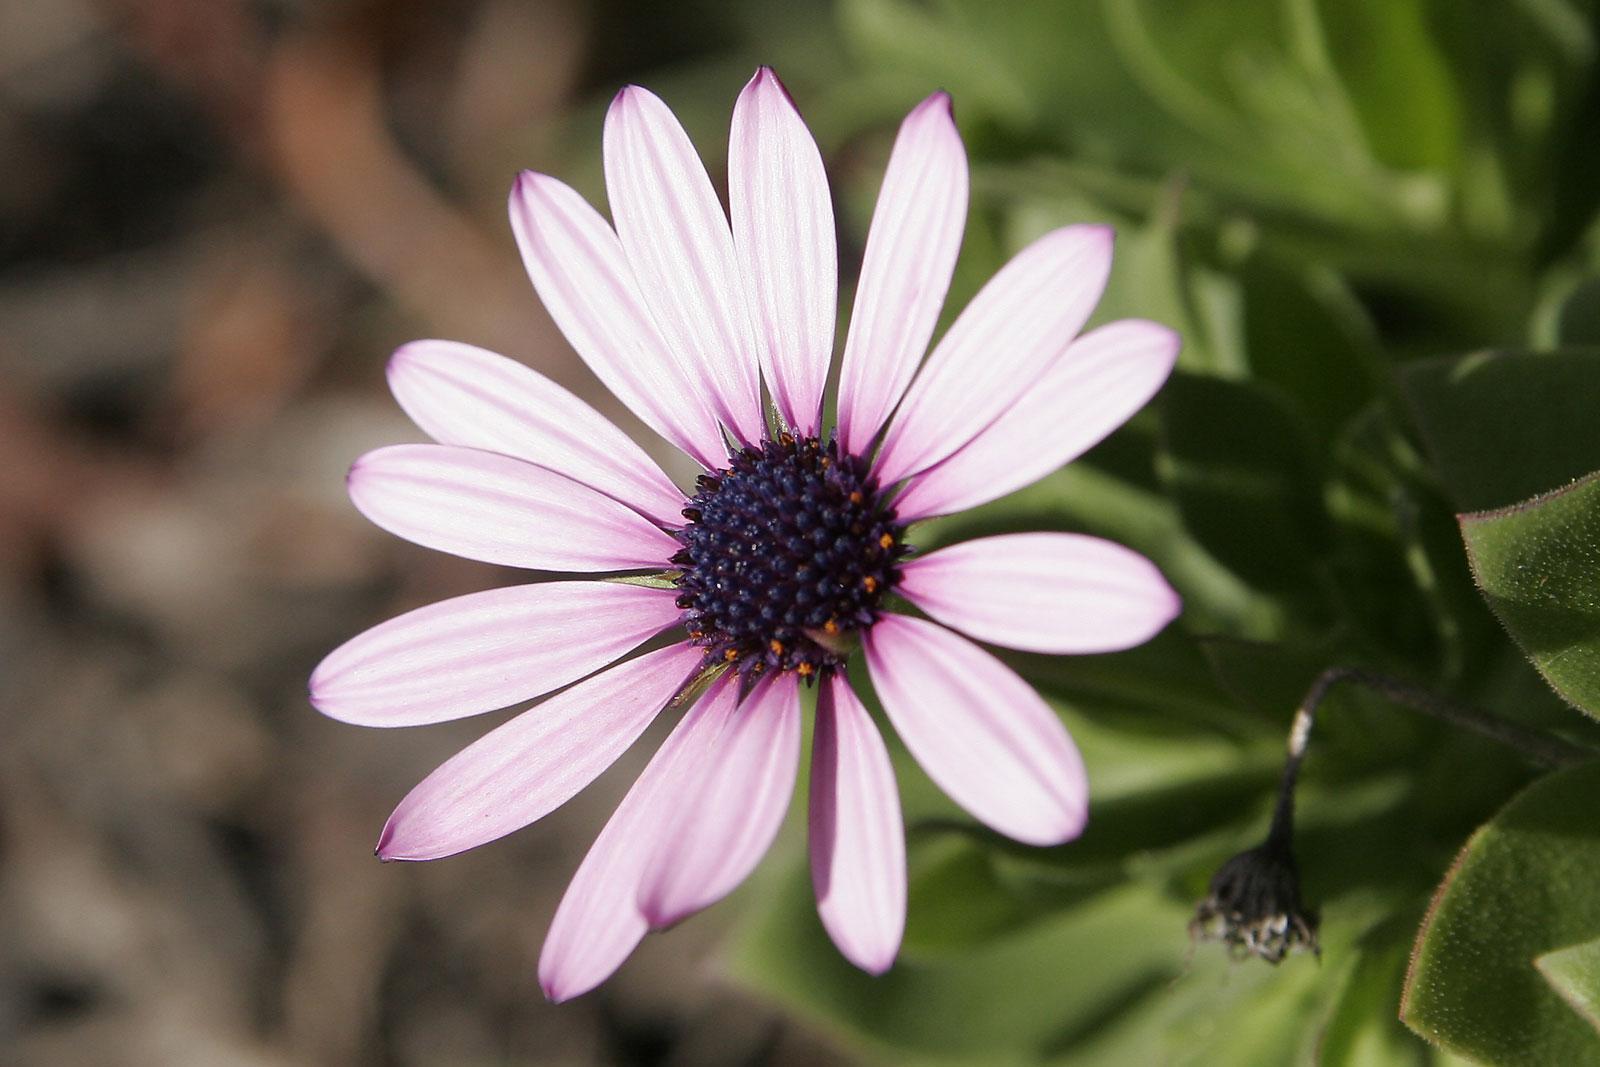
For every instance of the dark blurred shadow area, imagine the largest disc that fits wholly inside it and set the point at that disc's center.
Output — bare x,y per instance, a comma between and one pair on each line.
217,218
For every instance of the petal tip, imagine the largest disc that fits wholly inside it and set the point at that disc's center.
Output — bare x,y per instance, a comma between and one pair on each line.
877,968
404,358
658,914
554,994
630,97
525,183
1104,231
559,988
1069,826
873,959
1173,607
766,79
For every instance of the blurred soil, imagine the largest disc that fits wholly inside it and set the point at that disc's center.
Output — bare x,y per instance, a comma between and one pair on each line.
217,217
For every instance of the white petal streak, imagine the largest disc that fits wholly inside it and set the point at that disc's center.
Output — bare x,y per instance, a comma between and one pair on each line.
599,922
681,250
981,732
1017,325
857,837
1043,592
534,763
1098,382
496,509
485,650
905,273
783,232
720,831
579,269
463,395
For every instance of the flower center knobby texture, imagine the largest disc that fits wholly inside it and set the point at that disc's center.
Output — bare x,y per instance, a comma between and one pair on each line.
787,552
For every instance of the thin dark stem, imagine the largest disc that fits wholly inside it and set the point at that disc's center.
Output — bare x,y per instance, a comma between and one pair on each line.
1254,900
1539,747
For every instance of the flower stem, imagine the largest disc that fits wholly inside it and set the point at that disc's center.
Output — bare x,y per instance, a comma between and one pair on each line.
1539,747
1254,904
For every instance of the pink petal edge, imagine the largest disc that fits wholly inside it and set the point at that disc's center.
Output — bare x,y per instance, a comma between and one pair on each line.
492,508
783,232
482,651
982,733
720,829
1098,382
1058,593
532,764
999,346
463,395
598,923
857,837
905,273
680,247
578,267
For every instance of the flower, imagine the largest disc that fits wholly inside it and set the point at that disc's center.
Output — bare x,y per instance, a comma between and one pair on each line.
783,558
1253,905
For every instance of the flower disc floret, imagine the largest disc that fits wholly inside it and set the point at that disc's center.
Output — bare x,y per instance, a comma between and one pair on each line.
788,551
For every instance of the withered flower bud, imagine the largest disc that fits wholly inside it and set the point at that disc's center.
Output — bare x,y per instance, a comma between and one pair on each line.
1254,907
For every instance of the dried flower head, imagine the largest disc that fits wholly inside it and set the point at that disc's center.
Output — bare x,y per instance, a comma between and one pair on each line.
1254,907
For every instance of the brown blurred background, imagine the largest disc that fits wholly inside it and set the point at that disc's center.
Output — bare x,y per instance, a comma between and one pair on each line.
217,218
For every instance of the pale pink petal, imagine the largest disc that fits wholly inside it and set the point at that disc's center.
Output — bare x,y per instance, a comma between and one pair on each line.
783,231
858,849
1017,325
462,395
1098,382
578,267
485,650
1043,592
981,732
534,763
493,508
599,922
681,250
720,830
905,273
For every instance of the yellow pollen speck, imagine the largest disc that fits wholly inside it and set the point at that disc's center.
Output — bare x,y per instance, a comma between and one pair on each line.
804,670
871,583
855,497
731,654
887,540
830,627
776,646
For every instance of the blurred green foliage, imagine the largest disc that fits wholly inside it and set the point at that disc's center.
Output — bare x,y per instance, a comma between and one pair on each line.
1342,205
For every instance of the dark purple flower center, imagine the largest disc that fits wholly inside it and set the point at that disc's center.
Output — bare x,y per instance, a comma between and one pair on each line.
788,551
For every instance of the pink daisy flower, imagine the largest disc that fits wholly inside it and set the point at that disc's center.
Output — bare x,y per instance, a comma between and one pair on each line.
792,549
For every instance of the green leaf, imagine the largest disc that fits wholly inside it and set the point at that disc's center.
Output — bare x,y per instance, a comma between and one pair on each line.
1246,479
1574,972
1009,999
1522,886
1502,426
1578,320
1306,337
1396,79
1362,1030
1538,564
